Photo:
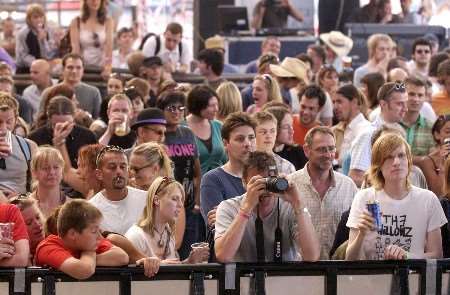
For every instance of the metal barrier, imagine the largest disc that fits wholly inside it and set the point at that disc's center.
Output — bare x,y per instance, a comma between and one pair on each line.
227,277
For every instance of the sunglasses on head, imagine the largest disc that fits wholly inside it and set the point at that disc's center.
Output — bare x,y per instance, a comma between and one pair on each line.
106,149
397,87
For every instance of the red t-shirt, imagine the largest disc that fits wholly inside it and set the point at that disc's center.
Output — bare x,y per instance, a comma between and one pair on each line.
10,213
51,251
300,130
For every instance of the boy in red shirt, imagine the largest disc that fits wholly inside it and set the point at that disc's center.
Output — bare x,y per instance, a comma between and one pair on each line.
13,252
79,248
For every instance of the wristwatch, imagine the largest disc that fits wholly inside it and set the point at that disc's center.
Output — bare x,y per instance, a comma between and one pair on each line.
303,210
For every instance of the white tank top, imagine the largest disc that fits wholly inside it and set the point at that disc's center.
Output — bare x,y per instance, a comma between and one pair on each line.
92,45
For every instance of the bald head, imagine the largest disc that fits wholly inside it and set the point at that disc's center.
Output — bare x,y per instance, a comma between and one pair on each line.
40,72
397,74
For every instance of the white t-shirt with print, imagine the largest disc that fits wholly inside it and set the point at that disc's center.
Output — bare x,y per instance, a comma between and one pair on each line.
406,222
119,216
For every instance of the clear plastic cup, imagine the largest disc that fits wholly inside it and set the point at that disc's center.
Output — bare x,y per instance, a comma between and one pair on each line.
201,245
122,128
6,136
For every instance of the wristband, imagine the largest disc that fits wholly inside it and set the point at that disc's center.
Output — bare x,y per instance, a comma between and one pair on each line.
244,214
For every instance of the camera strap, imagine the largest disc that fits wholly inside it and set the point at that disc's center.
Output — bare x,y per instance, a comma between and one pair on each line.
277,246
259,231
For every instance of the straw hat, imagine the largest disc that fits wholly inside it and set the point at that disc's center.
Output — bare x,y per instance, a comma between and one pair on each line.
338,42
291,67
215,42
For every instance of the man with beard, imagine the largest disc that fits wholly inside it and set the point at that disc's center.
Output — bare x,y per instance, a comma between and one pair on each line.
222,183
348,103
121,205
312,99
245,225
326,193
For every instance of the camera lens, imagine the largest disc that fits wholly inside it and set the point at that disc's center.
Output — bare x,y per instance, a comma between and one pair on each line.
276,185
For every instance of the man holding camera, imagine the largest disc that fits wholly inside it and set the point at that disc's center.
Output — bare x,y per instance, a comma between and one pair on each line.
268,223
274,14
325,192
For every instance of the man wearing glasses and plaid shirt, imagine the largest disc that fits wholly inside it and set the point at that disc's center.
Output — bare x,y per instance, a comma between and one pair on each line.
393,105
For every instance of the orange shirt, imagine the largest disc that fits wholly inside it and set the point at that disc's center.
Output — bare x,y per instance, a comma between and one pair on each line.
300,130
441,103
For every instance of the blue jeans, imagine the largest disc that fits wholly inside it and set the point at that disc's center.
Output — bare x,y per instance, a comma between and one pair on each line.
194,232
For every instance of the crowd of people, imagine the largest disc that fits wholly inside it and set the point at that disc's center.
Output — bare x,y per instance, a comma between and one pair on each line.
152,172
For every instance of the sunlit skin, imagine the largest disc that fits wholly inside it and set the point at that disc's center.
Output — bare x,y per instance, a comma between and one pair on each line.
73,71
169,204
242,141
171,40
395,109
260,93
266,134
309,108
49,174
141,172
395,166
113,172
422,55
87,240
33,221
322,152
211,110
114,86
286,131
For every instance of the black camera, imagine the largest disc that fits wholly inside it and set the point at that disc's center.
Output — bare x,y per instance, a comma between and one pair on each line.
276,184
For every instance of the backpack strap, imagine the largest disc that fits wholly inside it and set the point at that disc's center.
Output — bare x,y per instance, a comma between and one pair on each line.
26,151
158,44
180,48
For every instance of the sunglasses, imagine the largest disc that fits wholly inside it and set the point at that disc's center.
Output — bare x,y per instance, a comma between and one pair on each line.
106,149
96,40
421,51
397,87
174,109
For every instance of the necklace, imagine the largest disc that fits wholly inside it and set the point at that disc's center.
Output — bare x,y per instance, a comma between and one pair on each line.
161,236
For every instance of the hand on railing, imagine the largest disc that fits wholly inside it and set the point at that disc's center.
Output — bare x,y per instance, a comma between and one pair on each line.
151,265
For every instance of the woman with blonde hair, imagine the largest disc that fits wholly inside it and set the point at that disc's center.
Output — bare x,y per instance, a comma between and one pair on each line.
91,35
147,162
154,234
47,167
265,89
35,40
404,221
230,100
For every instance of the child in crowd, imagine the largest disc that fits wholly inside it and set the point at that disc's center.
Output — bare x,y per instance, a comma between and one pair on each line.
78,248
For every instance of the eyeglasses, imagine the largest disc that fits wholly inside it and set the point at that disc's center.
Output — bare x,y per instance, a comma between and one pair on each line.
19,200
444,118
421,51
96,40
174,109
326,149
397,87
106,149
136,170
157,131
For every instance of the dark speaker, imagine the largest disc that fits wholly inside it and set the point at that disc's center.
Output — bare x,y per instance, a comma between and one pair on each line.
205,22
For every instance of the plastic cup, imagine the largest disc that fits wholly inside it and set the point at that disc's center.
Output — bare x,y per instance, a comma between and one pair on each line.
6,230
6,136
201,245
122,128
